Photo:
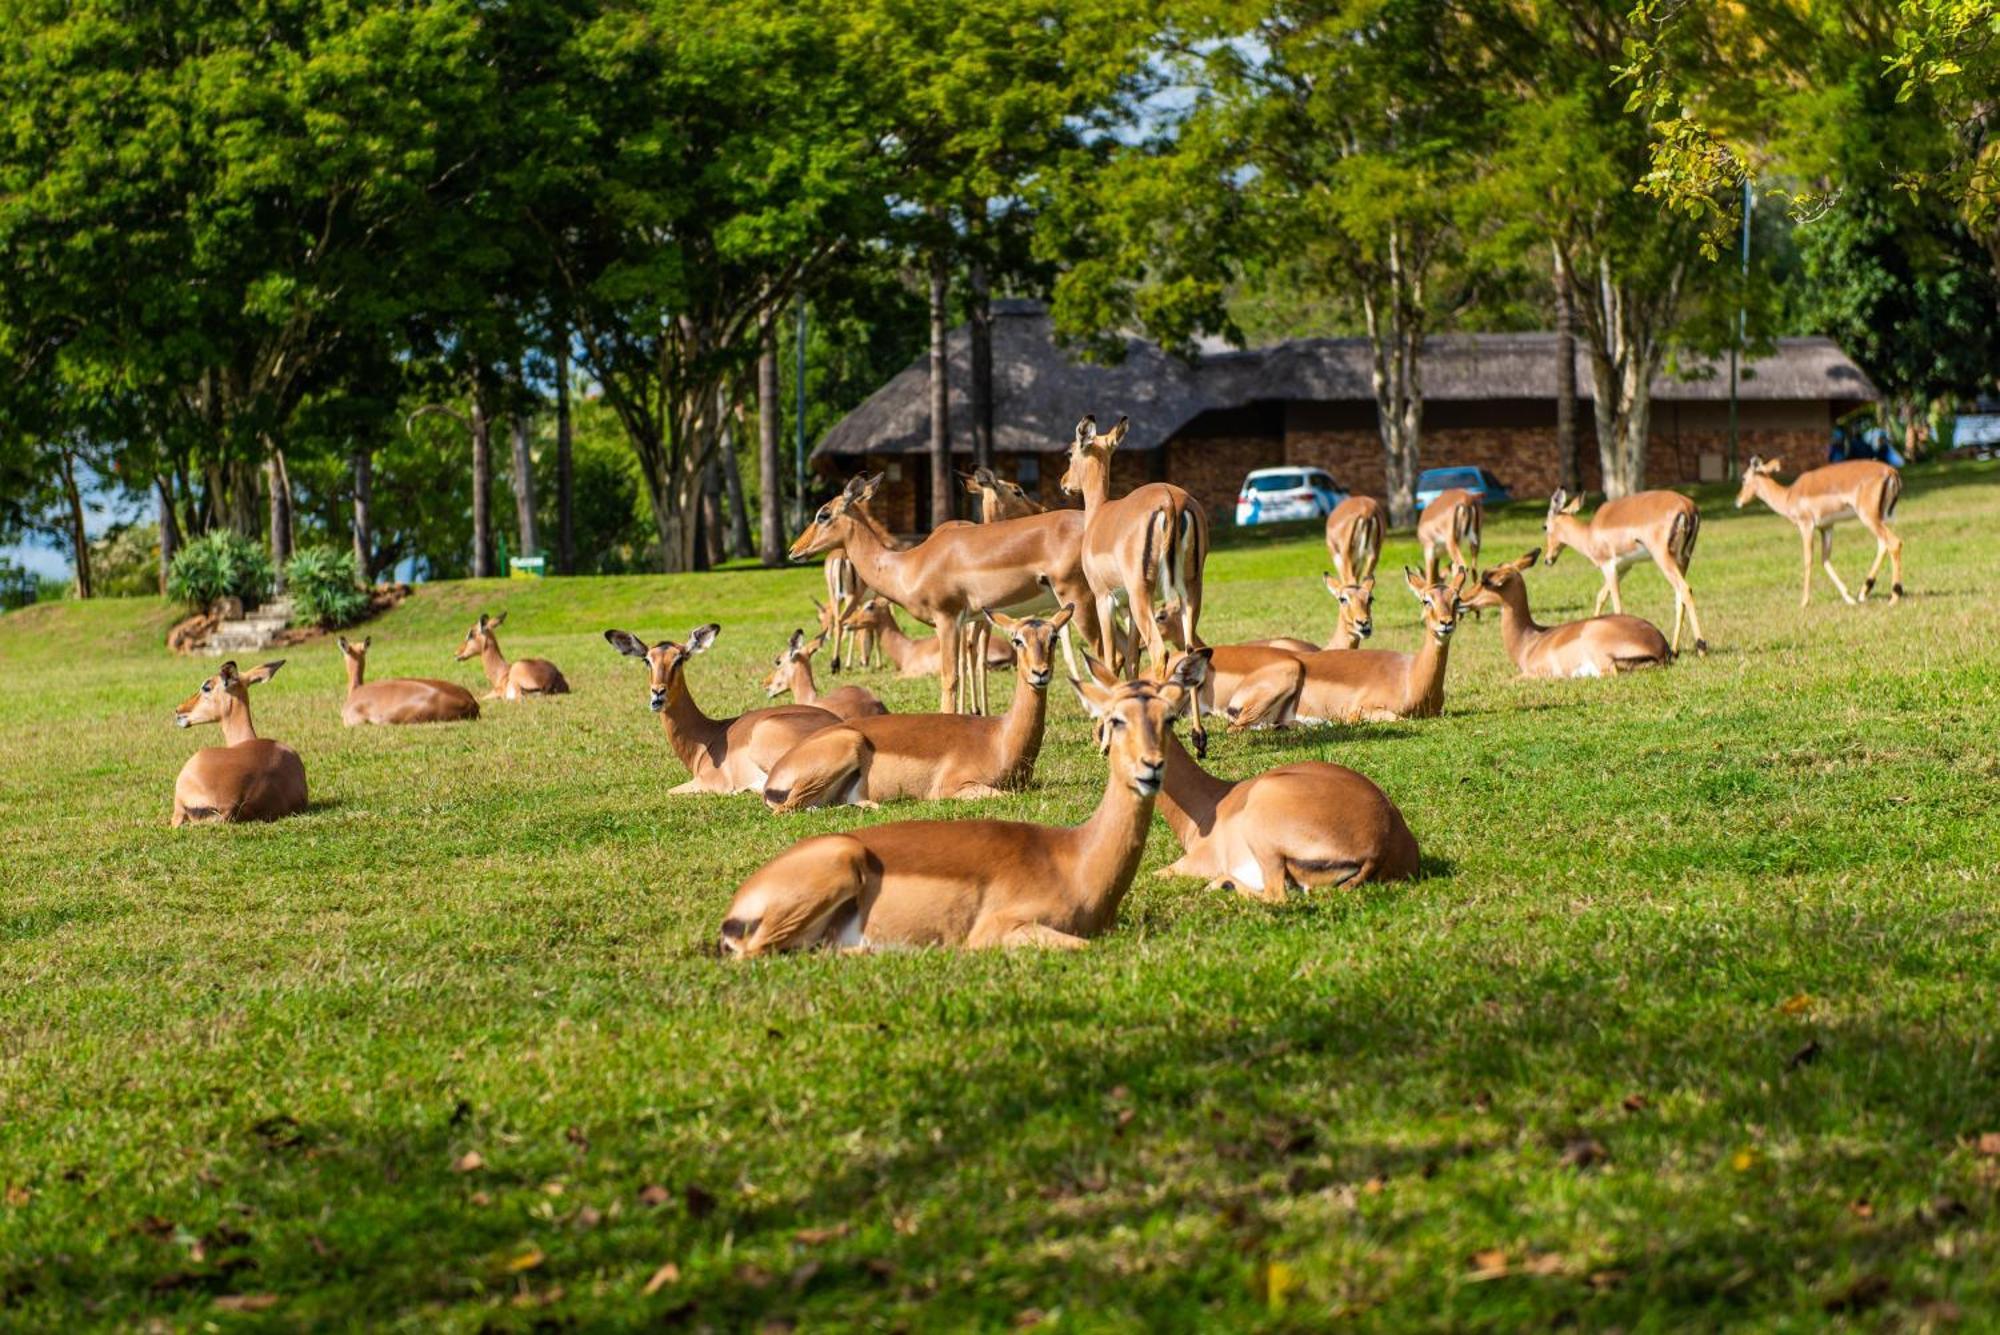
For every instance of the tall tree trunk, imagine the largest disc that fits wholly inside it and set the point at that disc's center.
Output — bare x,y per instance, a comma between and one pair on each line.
1395,341
980,392
364,522
482,486
170,528
280,485
526,529
942,490
79,537
565,466
1570,464
770,463
736,542
711,514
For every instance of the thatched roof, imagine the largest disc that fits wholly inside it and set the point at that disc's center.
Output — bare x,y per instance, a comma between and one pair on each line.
1040,390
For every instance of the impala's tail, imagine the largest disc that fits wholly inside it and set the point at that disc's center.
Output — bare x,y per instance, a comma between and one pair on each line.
1892,491
1681,538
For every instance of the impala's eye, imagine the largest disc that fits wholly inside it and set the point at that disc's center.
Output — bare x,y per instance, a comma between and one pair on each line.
207,686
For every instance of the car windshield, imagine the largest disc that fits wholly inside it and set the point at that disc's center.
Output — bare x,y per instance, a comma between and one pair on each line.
1449,477
1278,482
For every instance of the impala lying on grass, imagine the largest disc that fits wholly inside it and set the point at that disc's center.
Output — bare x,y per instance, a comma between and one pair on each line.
873,760
246,778
1600,646
1355,623
792,671
399,699
1862,489
730,755
511,681
1451,524
973,882
1659,524
1354,538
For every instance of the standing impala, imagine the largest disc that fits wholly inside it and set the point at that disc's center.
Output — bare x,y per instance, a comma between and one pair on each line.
1601,646
722,755
246,778
843,591
1860,489
1451,524
399,699
973,882
1659,524
1148,544
511,681
1354,537
792,671
1000,498
872,760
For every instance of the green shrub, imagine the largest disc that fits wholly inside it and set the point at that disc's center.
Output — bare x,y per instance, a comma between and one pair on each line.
323,586
218,564
19,586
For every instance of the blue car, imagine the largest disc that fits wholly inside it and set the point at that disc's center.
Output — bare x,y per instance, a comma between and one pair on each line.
1478,481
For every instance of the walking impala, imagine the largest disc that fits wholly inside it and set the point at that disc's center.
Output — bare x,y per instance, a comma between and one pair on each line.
1601,646
1860,489
511,681
973,882
1451,524
399,699
792,671
729,755
1659,524
1354,537
246,778
873,760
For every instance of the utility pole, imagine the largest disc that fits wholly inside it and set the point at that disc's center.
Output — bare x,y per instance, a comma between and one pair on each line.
1736,348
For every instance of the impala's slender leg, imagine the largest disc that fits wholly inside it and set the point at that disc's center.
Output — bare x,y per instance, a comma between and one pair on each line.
1805,594
949,640
1430,562
1683,601
1107,629
1826,559
1617,598
1887,544
1610,573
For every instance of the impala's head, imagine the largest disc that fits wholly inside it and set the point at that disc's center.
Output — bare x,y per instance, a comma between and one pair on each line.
355,653
873,614
480,637
1495,586
1034,641
1756,468
1442,602
222,693
1357,604
997,496
665,660
835,520
1562,503
1089,451
1131,718
797,650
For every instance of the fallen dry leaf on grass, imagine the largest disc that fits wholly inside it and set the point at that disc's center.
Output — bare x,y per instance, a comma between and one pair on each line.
1584,1153
654,1194
814,1237
469,1162
527,1260
247,1302
1490,1264
1796,1005
665,1275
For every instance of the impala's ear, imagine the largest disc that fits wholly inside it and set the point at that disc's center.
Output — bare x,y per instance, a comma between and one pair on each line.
482,622
626,643
813,646
1756,462
1575,504
226,674
818,606
1190,669
702,638
869,486
1103,675
798,638
1528,560
494,624
855,485
262,673
1416,583
1556,500
345,648
1116,436
1368,585
1095,699
1086,431
1460,574
970,482
1061,619
366,640
1000,621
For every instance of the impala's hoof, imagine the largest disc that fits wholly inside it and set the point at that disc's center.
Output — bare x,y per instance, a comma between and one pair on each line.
1895,592
1701,648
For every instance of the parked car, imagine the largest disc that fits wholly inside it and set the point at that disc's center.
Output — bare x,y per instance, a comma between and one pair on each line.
1274,495
1478,481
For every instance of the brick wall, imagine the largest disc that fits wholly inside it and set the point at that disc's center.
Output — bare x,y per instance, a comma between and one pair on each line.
1211,469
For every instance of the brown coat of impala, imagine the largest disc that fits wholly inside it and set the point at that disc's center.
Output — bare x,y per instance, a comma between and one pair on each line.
958,570
246,778
844,592
1000,498
929,755
1600,646
1662,525
722,755
914,657
511,681
1354,623
1451,524
1354,537
972,883
399,699
1862,489
1148,545
792,671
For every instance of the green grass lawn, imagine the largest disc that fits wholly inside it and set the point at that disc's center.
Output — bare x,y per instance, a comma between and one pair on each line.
1694,1016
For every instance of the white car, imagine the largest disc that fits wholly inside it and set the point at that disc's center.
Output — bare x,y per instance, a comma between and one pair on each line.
1274,495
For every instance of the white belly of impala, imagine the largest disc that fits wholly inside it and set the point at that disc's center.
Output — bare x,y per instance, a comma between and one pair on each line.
1584,670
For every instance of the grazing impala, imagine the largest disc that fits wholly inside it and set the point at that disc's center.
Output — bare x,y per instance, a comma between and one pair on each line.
1601,646
246,778
1860,489
914,657
511,681
730,755
1354,537
1356,620
1147,545
1451,524
399,699
972,882
929,755
792,671
1000,498
1659,524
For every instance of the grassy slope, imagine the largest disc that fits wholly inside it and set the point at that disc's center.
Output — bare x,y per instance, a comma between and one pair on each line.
245,1060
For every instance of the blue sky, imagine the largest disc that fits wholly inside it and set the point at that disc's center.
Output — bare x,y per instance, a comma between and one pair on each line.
101,509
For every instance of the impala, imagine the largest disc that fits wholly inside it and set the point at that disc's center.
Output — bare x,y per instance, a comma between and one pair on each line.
998,497
973,883
399,699
792,671
1355,622
1860,489
913,657
1146,545
1451,524
1013,565
722,755
843,592
1659,524
929,755
246,778
1354,537
511,681
1600,646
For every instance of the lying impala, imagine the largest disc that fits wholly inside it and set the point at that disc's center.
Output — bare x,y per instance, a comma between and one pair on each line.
972,882
1860,489
1355,623
914,657
722,755
1451,524
1257,686
511,681
1601,646
399,699
792,671
1000,498
874,760
1354,537
1659,524
246,778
